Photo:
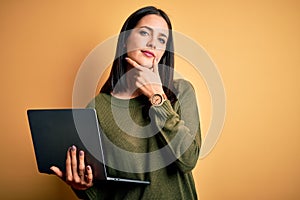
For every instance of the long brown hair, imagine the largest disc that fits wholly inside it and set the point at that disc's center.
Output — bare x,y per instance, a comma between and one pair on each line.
167,61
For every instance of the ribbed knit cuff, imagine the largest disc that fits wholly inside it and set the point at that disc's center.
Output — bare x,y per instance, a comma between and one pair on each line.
163,114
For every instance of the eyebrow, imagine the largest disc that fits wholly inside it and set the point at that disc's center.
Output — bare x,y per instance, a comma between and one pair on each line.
151,29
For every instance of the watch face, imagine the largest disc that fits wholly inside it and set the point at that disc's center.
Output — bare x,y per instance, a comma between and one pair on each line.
157,99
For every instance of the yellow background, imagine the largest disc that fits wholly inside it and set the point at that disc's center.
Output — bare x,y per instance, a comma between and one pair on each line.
255,45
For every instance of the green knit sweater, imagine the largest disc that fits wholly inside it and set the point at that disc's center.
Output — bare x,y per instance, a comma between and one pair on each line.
161,146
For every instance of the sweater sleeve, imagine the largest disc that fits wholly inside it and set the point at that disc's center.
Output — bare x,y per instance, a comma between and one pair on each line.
179,126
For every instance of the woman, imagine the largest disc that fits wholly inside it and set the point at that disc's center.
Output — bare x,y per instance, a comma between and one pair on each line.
142,110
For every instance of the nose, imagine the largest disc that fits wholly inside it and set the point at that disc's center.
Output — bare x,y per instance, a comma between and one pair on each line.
151,43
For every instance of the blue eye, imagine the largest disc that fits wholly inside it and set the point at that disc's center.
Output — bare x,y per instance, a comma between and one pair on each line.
163,41
144,33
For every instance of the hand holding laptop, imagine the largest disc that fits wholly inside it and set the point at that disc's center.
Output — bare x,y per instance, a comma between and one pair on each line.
77,175
73,138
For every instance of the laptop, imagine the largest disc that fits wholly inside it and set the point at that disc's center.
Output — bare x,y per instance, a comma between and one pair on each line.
54,131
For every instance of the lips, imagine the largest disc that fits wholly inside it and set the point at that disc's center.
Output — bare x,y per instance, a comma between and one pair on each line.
148,53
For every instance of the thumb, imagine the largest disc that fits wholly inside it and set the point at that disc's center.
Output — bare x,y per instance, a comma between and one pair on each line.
57,171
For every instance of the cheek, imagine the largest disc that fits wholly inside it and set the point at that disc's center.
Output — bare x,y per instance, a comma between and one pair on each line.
133,54
134,43
132,47
160,54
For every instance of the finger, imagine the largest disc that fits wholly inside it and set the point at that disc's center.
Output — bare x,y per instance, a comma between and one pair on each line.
133,63
57,171
69,175
81,166
89,176
155,66
74,164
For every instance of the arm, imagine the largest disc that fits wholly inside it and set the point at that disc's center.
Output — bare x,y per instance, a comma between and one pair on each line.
179,126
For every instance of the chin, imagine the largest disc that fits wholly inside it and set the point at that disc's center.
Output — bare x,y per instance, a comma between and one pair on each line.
145,63
142,60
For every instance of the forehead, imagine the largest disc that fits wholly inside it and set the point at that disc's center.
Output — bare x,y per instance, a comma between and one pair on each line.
155,22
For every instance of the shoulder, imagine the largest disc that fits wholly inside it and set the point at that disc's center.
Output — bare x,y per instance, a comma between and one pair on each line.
183,86
98,100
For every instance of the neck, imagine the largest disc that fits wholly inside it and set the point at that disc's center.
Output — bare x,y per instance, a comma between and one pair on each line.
126,94
128,90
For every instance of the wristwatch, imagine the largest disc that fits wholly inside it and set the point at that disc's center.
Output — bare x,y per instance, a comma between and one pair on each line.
157,99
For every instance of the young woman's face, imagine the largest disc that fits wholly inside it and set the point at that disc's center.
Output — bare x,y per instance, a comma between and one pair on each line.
148,40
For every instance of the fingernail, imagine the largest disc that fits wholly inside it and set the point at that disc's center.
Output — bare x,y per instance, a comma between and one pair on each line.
81,153
73,148
88,167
